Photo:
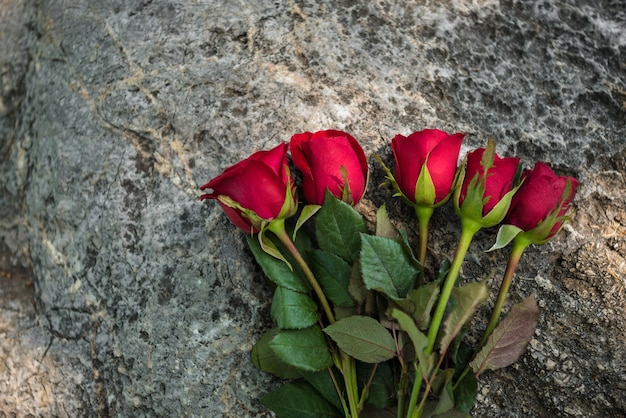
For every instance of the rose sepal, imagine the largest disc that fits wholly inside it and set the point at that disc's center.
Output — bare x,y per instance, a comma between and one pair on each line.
307,213
424,188
267,245
255,220
290,206
499,211
506,234
392,181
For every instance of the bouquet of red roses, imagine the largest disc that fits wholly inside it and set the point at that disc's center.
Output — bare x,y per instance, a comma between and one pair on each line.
359,331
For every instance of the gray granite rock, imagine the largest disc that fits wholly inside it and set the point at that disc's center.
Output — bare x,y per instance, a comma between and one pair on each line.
125,296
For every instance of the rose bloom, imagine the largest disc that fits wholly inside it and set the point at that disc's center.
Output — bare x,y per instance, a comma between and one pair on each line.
541,194
499,180
260,185
438,150
320,157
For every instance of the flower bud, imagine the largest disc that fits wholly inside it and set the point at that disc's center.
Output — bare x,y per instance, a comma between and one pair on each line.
426,163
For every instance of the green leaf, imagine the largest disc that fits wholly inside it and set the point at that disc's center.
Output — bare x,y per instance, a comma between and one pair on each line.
465,393
337,227
419,303
460,352
467,299
419,340
293,310
333,275
508,341
386,267
506,233
276,270
264,358
323,384
299,400
384,227
307,213
363,338
305,348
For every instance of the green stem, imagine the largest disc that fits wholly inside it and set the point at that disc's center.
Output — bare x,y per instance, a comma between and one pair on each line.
402,387
348,366
468,230
278,228
352,387
417,385
423,216
429,383
516,253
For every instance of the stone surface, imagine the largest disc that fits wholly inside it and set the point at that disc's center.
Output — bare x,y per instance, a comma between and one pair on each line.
123,295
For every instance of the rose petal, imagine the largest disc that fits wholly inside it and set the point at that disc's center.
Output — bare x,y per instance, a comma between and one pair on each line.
408,164
499,180
442,164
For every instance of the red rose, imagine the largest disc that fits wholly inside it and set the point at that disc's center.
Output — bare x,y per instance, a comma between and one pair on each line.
256,190
499,180
320,157
432,152
543,197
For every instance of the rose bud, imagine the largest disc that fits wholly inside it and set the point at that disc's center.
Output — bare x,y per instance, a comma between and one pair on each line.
540,205
330,160
487,187
426,163
256,191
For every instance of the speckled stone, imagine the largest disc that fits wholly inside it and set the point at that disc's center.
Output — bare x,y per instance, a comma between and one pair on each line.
146,301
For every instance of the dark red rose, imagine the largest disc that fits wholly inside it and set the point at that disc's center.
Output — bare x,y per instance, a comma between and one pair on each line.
256,190
436,149
320,157
543,197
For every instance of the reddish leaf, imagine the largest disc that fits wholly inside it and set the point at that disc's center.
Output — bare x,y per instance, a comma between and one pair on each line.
508,341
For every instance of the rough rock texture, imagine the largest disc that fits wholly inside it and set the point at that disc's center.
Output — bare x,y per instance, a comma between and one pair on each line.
123,295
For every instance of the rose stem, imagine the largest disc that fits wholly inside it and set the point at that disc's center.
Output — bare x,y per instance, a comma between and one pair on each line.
468,230
347,362
516,253
278,227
